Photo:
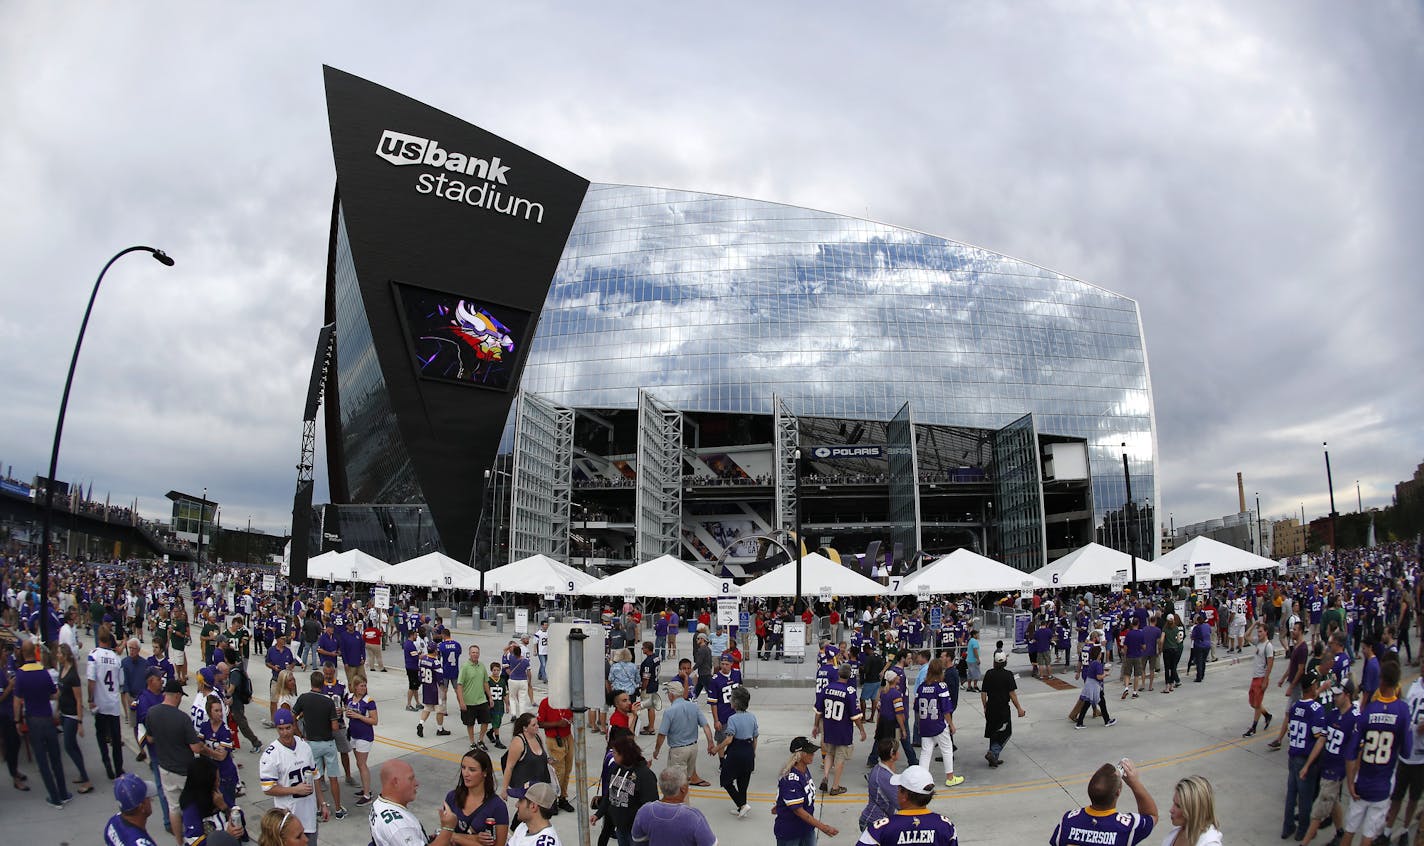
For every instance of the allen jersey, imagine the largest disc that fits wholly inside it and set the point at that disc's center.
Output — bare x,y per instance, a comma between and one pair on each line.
1089,827
907,828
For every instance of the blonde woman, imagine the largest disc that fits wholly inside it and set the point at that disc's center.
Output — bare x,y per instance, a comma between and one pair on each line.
286,689
281,827
1193,815
796,822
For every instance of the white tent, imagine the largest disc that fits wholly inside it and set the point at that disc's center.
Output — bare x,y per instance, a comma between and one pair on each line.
963,571
429,570
536,574
1222,558
664,577
1095,564
817,572
337,566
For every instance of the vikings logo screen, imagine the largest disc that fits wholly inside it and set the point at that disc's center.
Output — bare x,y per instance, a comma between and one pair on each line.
458,339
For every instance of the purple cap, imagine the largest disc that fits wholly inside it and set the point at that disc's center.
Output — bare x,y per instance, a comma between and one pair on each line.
130,791
284,718
209,675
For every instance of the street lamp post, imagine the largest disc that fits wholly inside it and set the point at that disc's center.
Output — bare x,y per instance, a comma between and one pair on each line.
1359,501
1131,543
44,620
1260,539
1330,483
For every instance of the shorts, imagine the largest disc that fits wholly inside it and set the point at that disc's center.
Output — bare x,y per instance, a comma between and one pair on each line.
1410,778
1366,818
870,691
1043,659
412,678
1132,666
1331,796
178,657
1257,693
362,746
1154,662
837,753
172,786
324,755
475,715
496,717
430,695
342,741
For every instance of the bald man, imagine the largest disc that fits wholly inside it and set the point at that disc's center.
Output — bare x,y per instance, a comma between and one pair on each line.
392,822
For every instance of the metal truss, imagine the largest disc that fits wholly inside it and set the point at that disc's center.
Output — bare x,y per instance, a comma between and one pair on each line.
786,440
658,503
541,484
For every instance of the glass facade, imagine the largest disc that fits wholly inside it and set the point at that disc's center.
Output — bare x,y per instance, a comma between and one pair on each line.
716,304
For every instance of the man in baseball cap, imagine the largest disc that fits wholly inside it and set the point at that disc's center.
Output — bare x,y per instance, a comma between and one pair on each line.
532,811
916,789
135,798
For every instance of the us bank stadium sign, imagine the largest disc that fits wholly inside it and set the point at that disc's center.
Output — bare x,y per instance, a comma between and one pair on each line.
459,177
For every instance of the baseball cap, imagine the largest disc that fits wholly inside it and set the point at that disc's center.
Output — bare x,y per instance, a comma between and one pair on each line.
1346,686
891,675
541,793
1000,658
284,717
155,671
130,791
208,675
915,779
1309,677
173,686
802,744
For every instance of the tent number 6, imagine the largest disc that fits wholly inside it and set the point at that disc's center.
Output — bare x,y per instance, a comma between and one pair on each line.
1055,578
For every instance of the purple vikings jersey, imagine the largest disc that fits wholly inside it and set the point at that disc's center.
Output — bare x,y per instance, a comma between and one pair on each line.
1307,722
1382,735
932,708
839,706
1087,827
911,827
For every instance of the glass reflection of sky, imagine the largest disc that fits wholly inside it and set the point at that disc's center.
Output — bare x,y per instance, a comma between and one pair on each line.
715,303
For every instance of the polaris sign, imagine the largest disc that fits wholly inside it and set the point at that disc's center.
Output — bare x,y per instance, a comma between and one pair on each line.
833,452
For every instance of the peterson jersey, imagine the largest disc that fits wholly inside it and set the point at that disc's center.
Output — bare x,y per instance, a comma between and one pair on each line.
1087,827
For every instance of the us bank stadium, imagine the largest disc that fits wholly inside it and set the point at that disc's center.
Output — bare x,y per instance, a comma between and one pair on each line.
607,373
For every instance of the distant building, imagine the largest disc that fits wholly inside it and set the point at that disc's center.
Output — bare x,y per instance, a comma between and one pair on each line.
1242,531
1410,488
1289,537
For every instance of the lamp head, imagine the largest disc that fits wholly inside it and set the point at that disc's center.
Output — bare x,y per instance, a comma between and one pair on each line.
163,258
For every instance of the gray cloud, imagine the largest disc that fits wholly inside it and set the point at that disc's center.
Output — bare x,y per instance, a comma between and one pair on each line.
1248,173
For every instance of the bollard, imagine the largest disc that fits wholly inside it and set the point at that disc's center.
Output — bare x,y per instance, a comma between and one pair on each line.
499,623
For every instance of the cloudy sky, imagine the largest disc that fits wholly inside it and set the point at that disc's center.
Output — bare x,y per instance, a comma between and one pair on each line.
1249,173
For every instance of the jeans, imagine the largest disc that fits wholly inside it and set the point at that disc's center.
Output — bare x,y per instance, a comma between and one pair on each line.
543,674
162,797
624,836
70,728
308,655
1300,795
807,839
995,748
44,740
11,739
1170,659
1102,705
111,743
1198,659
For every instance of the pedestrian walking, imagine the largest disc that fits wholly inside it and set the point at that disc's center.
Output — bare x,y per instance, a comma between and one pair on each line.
71,712
1263,659
934,713
1092,693
35,714
1329,751
1174,636
533,809
881,799
738,751
129,827
796,822
630,786
105,680
912,821
288,775
998,691
526,762
678,728
1307,723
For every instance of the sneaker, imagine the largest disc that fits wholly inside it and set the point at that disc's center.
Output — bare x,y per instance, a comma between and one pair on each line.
54,804
1079,727
823,785
499,745
1269,717
1250,732
1110,723
420,729
954,782
736,812
442,732
1125,691
340,813
563,804
481,746
1134,694
363,800
743,811
1273,745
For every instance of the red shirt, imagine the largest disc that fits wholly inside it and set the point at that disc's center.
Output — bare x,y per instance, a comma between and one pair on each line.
619,718
371,635
807,616
548,714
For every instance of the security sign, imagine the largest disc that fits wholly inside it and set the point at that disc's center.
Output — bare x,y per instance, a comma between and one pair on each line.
381,597
549,593
825,593
269,583
1202,573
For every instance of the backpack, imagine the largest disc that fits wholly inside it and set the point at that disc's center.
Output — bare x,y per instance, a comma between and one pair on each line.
243,691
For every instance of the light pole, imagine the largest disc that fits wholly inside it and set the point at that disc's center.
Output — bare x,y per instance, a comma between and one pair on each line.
202,516
1330,483
1260,541
44,621
1359,502
1131,545
419,526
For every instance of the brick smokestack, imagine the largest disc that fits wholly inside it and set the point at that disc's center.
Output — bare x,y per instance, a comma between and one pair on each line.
1241,492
